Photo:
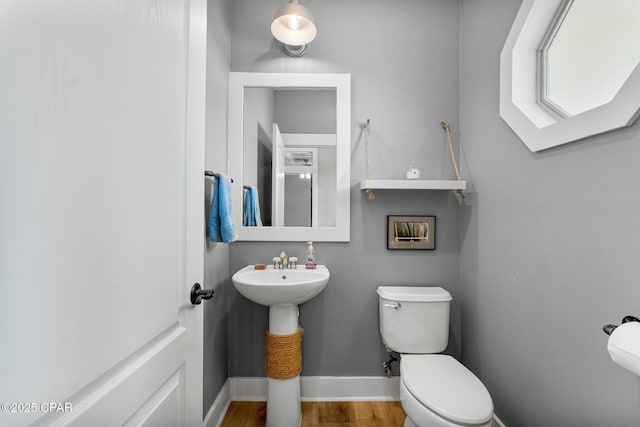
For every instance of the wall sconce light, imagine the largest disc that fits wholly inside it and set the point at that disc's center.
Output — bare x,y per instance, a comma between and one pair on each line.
293,26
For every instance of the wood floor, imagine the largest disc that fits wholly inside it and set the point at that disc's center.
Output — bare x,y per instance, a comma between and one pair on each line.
322,414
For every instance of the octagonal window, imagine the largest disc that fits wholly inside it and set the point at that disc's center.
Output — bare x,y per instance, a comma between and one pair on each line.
591,49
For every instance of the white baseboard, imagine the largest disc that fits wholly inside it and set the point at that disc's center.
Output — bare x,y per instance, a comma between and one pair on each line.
248,389
319,389
219,408
313,389
349,389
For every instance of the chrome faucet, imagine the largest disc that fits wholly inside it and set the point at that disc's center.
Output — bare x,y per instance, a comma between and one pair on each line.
285,259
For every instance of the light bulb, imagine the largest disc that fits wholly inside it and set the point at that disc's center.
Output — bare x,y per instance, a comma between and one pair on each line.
294,22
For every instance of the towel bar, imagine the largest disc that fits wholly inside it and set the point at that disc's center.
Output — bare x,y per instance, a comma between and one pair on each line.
211,173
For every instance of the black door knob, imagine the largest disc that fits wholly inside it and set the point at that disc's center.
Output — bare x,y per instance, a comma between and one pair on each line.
198,294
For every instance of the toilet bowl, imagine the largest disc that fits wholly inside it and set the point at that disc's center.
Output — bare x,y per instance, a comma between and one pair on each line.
438,391
435,389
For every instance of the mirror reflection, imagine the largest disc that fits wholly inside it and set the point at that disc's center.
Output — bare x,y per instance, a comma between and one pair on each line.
289,157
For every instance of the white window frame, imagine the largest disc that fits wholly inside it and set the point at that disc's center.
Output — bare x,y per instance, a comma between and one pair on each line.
537,126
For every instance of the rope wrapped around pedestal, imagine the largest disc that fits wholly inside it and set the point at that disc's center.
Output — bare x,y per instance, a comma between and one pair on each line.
284,355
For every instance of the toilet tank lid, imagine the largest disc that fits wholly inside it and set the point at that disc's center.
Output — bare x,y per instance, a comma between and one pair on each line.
414,293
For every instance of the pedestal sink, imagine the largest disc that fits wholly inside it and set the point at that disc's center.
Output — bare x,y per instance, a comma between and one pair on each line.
282,291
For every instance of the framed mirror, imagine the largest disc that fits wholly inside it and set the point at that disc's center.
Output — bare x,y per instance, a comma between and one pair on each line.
570,70
289,144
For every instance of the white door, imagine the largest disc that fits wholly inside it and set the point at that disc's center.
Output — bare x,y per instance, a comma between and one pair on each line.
277,197
101,211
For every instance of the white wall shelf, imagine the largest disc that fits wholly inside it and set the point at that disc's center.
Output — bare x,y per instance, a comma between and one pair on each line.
412,184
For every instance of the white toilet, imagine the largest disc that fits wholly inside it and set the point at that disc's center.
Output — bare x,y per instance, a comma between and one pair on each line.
435,389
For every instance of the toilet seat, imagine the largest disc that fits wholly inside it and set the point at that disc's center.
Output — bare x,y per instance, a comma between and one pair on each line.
447,388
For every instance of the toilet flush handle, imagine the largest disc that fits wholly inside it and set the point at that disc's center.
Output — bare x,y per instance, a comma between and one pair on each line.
395,305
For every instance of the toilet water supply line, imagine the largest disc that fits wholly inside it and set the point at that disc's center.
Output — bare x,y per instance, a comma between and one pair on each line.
386,365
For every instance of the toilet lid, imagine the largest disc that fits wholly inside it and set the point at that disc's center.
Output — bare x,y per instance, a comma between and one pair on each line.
446,387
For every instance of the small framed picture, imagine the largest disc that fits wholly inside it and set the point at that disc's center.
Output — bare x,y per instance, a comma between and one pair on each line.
411,232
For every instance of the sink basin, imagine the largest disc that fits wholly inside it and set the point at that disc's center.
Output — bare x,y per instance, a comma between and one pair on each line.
270,287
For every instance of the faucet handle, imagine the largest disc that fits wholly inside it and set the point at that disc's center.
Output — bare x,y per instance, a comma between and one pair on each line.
277,262
293,262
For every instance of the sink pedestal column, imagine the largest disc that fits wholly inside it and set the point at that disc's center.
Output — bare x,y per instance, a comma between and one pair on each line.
283,396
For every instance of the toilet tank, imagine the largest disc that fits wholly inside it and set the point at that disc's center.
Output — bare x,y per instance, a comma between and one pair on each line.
414,319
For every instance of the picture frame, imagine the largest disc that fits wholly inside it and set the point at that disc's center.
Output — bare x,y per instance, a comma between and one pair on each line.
411,232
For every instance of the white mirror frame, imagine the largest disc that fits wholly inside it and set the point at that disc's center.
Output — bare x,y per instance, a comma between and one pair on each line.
238,81
519,106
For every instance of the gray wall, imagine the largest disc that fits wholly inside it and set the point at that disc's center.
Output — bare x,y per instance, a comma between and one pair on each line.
549,248
306,111
405,80
216,261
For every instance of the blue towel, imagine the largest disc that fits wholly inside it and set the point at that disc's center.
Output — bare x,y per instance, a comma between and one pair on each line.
251,216
222,227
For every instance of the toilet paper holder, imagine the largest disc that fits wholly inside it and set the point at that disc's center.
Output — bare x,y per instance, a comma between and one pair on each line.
608,329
